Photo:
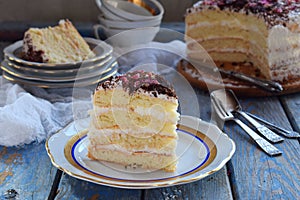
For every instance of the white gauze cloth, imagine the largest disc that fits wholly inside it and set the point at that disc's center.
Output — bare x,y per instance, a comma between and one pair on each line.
25,118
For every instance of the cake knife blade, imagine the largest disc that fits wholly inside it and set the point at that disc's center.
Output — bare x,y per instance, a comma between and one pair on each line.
270,86
267,85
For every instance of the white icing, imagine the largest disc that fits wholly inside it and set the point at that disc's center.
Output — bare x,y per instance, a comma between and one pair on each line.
294,16
284,52
281,37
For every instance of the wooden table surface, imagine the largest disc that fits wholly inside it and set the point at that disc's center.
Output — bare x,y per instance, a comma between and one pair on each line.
27,173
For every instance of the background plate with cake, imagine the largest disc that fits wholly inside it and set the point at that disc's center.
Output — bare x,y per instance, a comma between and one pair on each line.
259,38
56,57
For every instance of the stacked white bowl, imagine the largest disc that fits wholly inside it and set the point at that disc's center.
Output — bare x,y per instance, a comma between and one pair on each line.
129,22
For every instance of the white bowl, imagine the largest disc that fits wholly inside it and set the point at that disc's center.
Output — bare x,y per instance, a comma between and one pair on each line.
133,11
127,24
123,38
107,14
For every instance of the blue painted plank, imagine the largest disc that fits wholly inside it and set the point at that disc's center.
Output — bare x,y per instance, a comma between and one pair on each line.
291,104
26,170
215,186
255,174
75,189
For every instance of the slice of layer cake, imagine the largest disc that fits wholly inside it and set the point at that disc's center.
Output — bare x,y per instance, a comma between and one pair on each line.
134,122
59,44
265,33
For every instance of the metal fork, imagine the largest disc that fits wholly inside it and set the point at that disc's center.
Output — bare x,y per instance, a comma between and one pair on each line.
261,142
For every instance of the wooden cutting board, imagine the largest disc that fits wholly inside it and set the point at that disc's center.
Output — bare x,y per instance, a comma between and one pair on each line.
210,81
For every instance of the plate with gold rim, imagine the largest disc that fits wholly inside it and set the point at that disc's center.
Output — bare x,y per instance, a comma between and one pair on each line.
81,75
24,69
202,150
76,83
101,49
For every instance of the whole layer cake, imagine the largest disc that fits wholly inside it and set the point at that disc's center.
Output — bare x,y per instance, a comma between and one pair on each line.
134,120
59,44
265,33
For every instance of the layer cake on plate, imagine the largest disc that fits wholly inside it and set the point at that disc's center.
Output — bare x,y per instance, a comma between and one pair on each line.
264,33
133,122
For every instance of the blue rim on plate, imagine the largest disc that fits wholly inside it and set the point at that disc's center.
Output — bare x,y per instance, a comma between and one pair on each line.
78,164
203,149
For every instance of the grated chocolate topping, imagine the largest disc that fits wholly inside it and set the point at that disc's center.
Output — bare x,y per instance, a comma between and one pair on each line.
274,12
147,81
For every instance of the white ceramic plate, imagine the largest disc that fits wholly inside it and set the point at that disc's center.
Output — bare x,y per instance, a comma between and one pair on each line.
76,83
81,73
13,52
58,72
151,9
127,24
202,150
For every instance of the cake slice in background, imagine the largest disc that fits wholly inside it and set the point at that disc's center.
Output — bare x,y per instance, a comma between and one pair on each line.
265,33
59,44
134,122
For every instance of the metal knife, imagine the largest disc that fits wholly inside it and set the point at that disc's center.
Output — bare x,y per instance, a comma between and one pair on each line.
260,128
275,128
267,85
270,86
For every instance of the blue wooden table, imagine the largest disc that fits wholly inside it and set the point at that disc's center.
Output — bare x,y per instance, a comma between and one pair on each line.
27,173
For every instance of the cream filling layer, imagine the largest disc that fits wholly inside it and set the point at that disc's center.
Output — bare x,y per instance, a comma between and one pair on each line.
278,55
170,116
232,24
115,147
279,38
285,55
144,133
281,42
193,45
